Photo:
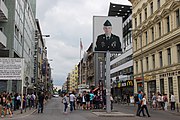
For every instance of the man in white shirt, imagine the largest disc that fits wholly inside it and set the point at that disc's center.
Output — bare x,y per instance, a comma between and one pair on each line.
72,101
172,102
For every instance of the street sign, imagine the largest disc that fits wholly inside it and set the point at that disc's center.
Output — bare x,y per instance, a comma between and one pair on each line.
11,68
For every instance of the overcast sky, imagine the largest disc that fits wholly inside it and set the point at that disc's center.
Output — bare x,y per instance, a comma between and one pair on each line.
66,21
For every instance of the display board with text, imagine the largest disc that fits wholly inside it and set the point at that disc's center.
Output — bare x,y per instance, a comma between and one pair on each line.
11,68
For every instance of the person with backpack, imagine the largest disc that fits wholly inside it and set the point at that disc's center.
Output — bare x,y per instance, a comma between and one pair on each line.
65,102
144,106
165,101
140,97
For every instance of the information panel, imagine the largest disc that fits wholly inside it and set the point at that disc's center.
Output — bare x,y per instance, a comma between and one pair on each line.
11,68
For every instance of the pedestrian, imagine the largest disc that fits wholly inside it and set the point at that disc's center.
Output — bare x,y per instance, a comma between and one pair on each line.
1,105
41,102
144,105
172,102
111,100
8,103
165,101
154,101
87,100
79,101
91,94
140,97
65,102
72,99
84,100
97,101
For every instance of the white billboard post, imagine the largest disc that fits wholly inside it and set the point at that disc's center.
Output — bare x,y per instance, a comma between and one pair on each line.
107,38
12,69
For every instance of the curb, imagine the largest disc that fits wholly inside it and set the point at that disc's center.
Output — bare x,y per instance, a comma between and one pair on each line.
113,114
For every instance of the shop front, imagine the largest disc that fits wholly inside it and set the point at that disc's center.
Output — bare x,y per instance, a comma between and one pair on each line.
123,89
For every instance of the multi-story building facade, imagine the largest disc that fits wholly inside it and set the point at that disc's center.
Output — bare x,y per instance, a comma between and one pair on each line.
3,38
121,65
156,46
40,59
20,32
73,80
89,59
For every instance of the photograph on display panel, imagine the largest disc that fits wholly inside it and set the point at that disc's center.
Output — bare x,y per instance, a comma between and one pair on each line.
107,34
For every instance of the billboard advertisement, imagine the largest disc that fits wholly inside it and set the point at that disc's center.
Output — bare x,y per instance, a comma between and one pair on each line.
107,34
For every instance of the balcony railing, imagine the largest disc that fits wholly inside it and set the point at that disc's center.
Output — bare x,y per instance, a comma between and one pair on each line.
3,39
3,11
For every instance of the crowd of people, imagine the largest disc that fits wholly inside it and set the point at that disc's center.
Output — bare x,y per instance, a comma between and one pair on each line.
160,101
10,102
85,101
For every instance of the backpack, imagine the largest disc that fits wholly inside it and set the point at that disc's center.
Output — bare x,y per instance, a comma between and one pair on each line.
136,98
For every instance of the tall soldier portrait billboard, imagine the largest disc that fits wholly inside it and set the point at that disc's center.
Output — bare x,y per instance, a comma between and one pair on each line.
107,34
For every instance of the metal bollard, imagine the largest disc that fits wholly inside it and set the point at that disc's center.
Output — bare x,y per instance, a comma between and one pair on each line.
177,107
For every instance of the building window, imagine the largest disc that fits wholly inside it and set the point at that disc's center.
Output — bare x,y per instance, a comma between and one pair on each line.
140,18
162,86
169,56
152,33
2,29
151,5
153,61
146,36
177,18
135,44
140,38
130,37
170,81
147,63
136,67
160,59
168,24
145,13
158,4
178,52
135,22
151,86
16,32
179,87
159,29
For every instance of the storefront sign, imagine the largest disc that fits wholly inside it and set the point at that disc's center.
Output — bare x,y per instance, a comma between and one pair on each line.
119,84
123,84
129,83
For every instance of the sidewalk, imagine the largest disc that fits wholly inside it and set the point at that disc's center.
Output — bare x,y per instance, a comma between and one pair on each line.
132,109
24,113
18,113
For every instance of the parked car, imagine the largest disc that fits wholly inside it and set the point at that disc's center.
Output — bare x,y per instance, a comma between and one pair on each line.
56,95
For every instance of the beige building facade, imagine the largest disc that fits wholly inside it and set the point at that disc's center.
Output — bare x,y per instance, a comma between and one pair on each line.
73,82
156,46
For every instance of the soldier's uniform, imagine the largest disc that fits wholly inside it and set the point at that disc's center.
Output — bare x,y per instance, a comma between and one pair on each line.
111,43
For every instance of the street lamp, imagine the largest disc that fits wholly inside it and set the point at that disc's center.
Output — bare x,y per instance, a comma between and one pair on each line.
141,54
45,35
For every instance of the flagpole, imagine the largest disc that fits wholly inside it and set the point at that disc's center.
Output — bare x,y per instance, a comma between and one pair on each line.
80,82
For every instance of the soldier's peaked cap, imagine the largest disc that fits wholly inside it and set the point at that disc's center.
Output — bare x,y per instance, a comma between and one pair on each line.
107,23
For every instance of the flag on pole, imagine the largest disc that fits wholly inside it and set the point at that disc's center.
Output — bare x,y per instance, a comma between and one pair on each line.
81,46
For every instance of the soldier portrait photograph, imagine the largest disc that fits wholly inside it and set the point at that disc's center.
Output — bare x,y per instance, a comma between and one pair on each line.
108,41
